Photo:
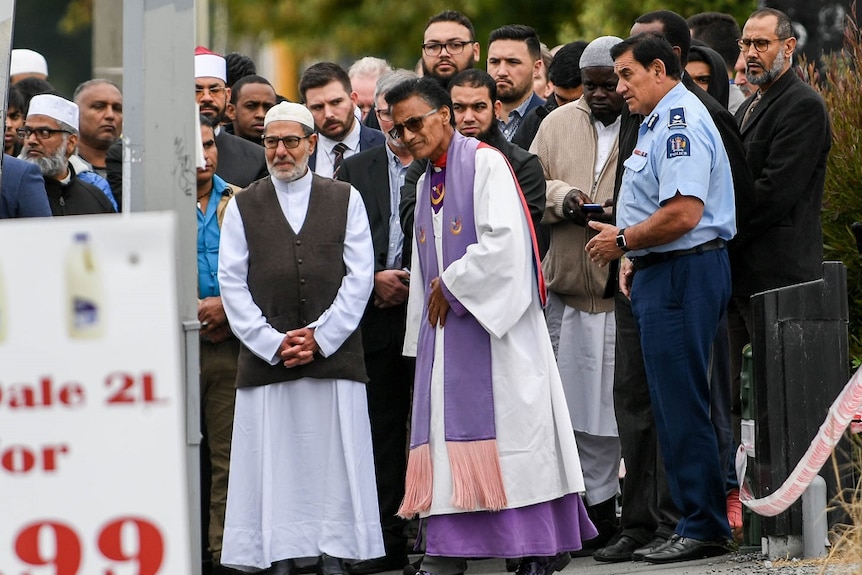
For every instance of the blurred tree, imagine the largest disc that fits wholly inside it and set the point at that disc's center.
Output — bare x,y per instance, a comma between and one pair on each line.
841,88
392,29
59,30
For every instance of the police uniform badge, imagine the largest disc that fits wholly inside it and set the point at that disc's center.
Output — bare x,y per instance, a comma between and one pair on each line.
676,118
678,145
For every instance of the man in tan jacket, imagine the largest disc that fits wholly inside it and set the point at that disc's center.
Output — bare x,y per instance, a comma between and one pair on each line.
577,147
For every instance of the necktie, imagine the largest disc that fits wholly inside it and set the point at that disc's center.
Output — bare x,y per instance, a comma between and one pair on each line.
338,157
750,109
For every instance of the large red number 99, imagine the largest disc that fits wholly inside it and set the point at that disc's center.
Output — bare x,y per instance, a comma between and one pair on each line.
148,552
66,556
122,540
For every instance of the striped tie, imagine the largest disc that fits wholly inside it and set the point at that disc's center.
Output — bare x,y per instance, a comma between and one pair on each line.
338,151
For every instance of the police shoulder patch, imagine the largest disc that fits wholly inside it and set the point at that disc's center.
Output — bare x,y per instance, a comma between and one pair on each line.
678,145
676,118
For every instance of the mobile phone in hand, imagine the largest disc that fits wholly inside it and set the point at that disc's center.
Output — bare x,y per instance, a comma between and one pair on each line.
592,208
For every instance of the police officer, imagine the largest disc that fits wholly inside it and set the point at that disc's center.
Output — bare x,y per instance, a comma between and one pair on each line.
675,212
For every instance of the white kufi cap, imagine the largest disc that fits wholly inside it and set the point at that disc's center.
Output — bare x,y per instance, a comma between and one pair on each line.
25,61
289,111
55,107
208,64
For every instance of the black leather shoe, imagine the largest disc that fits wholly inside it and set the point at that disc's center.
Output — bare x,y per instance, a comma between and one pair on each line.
222,570
379,565
329,565
283,567
616,552
655,545
413,568
685,548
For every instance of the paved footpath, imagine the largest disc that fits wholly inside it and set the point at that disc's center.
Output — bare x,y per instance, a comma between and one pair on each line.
731,564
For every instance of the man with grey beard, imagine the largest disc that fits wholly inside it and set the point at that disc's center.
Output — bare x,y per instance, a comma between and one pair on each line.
50,136
786,136
295,270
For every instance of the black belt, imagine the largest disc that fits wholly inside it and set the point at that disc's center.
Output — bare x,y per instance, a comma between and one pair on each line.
652,258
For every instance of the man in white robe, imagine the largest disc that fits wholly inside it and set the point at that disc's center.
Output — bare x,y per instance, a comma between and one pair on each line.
577,147
493,464
296,269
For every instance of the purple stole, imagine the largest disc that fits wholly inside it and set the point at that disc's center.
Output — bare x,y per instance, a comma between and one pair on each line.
470,431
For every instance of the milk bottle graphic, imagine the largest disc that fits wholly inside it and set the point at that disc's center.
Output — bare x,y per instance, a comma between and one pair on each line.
85,309
4,311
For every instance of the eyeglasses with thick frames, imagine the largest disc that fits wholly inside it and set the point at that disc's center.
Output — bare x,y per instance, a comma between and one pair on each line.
760,44
454,47
384,114
412,124
290,142
41,133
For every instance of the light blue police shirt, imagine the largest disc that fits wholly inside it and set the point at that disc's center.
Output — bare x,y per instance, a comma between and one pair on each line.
679,149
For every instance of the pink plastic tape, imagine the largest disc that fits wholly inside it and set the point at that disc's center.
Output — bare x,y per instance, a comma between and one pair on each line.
844,410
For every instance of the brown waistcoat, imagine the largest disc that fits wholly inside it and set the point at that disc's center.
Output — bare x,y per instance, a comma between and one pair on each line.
294,277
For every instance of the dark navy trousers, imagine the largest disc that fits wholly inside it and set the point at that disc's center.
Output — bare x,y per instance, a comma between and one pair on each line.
677,305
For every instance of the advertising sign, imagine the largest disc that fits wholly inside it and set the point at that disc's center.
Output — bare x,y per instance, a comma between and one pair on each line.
92,434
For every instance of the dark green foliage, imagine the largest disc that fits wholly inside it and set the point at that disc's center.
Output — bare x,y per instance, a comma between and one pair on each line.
841,88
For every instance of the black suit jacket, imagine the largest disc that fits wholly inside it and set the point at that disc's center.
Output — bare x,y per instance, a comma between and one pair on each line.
368,138
787,141
368,172
240,162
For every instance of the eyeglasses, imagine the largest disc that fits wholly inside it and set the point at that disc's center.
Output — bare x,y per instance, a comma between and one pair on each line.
290,142
453,47
412,124
384,114
760,44
213,90
41,133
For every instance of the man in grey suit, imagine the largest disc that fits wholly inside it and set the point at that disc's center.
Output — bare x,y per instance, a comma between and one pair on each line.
378,174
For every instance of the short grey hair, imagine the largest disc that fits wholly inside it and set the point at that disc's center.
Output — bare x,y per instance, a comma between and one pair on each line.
67,127
369,66
391,79
94,82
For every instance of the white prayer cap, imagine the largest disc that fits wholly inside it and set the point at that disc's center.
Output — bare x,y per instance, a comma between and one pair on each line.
208,64
25,61
55,107
598,52
289,111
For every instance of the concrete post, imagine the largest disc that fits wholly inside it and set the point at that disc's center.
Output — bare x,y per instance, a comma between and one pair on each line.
159,160
108,40
814,524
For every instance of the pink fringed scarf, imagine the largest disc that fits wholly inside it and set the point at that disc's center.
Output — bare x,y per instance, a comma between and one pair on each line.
468,396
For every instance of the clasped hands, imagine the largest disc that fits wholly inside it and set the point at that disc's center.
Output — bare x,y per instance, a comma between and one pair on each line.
298,347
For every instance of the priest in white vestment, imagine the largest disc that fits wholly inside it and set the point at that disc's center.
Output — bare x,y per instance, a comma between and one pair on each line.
493,466
296,269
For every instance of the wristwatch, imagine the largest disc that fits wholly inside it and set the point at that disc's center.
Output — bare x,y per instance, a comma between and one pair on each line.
621,240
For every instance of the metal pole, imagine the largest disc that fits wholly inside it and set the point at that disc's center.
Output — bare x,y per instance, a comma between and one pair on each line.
159,128
7,19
